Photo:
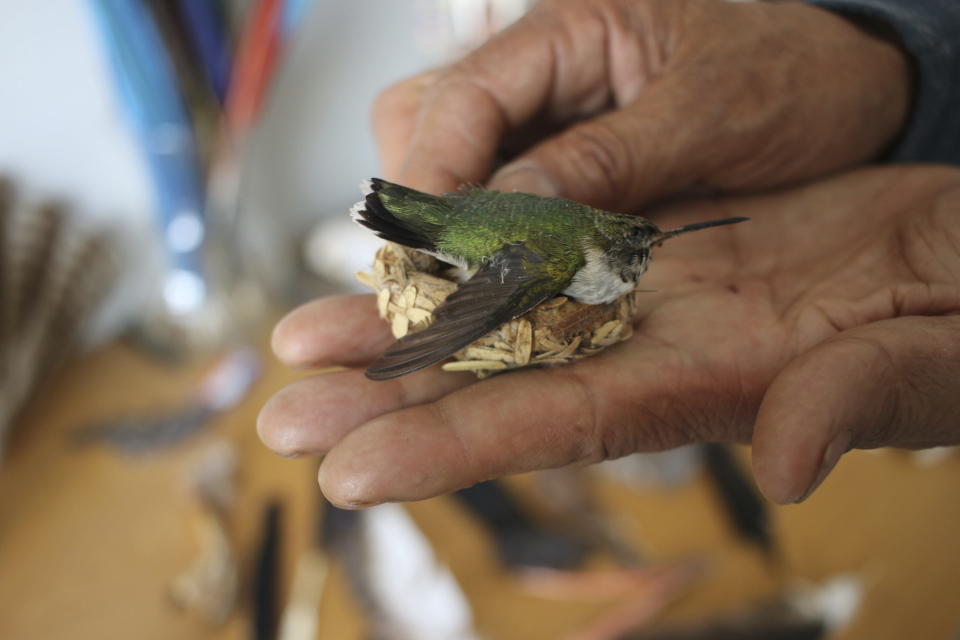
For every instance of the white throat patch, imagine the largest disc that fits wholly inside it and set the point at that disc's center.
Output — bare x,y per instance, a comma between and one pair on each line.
596,282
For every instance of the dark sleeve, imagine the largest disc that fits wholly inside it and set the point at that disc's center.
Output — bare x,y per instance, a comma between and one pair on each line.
929,31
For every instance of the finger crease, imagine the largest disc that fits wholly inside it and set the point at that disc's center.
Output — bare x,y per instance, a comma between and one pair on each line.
595,448
503,116
466,456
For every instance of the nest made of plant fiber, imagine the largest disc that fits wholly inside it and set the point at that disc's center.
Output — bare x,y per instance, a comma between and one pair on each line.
410,285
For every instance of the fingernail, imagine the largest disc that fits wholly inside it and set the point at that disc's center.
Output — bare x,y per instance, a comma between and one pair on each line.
353,506
831,456
526,177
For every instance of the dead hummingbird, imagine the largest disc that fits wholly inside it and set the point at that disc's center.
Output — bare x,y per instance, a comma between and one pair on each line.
517,249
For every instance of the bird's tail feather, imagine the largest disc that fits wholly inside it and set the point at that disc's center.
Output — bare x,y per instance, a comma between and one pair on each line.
398,214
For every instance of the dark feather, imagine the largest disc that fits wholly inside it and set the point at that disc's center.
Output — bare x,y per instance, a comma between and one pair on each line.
510,284
790,629
521,540
266,580
374,215
743,503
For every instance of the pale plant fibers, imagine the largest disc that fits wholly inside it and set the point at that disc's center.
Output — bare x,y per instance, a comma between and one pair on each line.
410,285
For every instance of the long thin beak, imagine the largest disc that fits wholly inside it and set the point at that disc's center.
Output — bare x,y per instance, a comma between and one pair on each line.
666,235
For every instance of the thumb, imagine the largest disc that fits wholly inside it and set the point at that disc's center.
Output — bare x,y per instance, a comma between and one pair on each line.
890,383
619,160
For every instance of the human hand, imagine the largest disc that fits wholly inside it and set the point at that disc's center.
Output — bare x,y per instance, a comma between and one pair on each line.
826,322
632,100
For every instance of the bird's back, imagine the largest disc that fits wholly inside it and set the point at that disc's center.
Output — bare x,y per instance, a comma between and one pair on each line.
481,222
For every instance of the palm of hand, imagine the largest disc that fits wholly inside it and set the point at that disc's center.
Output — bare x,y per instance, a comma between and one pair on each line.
786,322
737,307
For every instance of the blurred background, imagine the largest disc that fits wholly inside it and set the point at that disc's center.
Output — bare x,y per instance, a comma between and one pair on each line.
174,176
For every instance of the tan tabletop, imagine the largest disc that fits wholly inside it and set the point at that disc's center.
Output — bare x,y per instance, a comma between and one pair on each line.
90,539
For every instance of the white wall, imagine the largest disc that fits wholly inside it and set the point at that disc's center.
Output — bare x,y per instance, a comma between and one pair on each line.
62,132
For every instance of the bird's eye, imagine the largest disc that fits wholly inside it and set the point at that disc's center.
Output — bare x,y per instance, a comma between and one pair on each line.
640,236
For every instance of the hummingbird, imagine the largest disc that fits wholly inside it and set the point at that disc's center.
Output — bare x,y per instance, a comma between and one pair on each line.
515,251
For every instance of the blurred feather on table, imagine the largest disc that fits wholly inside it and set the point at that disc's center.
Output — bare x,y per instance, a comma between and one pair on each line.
53,274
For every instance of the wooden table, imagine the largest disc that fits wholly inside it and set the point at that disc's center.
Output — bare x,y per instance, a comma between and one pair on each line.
89,539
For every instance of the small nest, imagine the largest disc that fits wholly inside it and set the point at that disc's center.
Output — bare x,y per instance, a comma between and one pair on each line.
410,285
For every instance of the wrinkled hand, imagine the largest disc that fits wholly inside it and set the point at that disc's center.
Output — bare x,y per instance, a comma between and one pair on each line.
826,322
614,103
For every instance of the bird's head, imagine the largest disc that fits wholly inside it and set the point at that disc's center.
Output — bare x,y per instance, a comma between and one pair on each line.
631,251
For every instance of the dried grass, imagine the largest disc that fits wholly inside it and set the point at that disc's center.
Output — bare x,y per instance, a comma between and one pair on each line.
410,285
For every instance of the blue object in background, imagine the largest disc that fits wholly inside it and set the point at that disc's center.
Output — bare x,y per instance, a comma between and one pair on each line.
149,92
210,38
293,11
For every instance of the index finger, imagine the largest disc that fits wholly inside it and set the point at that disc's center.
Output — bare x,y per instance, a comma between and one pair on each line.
540,64
338,330
522,421
482,431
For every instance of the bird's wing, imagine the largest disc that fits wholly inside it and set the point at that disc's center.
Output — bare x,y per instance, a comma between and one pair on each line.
512,282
